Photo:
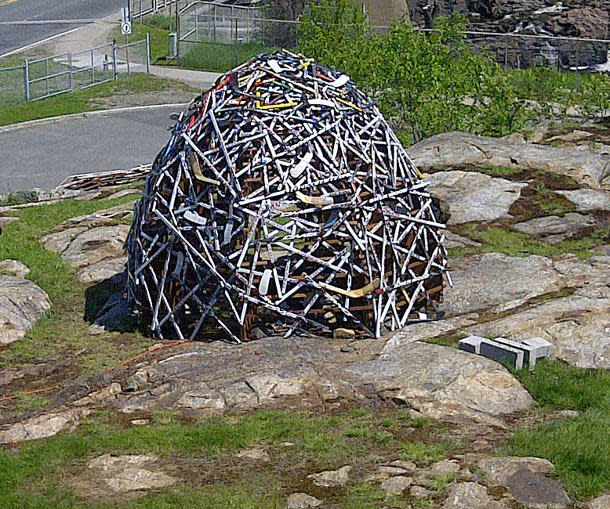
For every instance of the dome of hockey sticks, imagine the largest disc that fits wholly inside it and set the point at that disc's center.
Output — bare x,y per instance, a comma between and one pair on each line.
283,200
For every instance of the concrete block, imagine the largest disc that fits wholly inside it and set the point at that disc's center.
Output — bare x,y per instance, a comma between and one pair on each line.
502,353
533,349
471,344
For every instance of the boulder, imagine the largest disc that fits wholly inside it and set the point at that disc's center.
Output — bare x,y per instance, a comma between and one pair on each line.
472,196
586,200
470,495
461,150
444,383
22,304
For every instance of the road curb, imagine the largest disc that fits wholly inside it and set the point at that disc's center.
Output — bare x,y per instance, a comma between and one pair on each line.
85,114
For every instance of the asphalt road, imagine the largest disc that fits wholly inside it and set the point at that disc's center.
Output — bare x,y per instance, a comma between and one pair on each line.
43,155
16,36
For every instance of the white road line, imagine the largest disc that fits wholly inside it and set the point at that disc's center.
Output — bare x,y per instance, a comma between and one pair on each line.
19,50
48,21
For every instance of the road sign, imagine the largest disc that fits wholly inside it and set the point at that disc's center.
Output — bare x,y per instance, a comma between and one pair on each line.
126,27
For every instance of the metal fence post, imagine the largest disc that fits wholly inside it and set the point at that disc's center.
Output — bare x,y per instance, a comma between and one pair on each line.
140,11
46,66
147,53
177,33
92,68
26,80
70,77
115,71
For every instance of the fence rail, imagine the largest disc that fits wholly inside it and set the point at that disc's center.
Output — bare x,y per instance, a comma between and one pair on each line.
140,8
45,77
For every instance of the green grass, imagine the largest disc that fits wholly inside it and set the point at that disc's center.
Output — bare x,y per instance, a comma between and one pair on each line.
440,482
63,329
220,57
579,447
159,39
422,452
80,101
513,243
37,474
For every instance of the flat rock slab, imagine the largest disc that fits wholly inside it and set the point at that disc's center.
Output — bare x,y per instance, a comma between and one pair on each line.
498,470
554,229
14,268
444,383
462,150
93,244
587,200
602,502
43,426
453,240
473,196
22,304
537,491
441,382
498,281
470,495
331,478
302,501
128,473
576,325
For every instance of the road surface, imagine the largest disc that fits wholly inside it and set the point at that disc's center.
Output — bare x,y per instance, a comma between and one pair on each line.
44,155
13,37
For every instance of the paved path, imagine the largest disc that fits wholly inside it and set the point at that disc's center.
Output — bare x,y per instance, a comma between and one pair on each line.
43,155
16,36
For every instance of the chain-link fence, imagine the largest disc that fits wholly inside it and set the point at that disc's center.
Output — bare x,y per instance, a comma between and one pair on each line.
213,23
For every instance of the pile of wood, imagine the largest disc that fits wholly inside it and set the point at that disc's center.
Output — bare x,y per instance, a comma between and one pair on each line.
284,202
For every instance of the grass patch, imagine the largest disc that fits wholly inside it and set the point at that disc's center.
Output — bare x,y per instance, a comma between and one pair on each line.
159,37
498,171
79,101
221,57
422,452
440,482
513,243
63,330
578,446
320,443
557,385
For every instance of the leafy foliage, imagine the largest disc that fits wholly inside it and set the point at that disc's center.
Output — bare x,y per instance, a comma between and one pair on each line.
428,83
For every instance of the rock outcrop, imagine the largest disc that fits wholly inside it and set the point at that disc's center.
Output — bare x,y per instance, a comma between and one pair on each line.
458,150
22,304
93,244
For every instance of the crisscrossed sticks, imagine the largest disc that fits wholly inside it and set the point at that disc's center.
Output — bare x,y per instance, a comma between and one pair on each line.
283,200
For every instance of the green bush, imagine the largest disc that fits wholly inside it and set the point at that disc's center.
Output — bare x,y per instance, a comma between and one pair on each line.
429,83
